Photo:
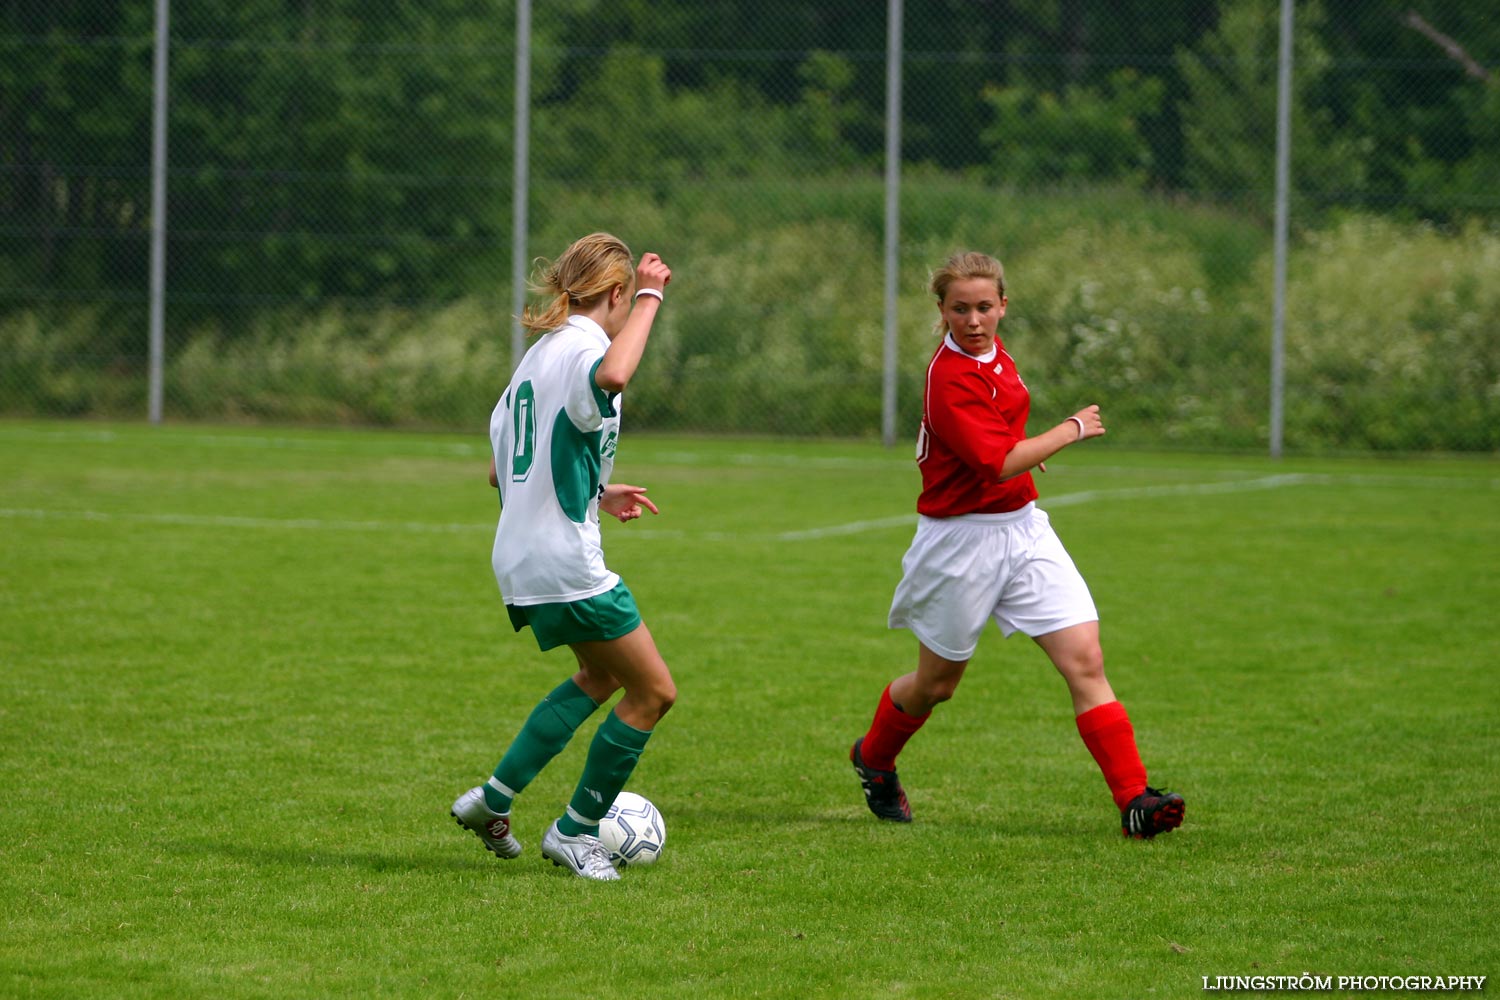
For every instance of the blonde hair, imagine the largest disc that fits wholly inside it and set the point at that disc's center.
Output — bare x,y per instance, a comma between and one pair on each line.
586,270
961,267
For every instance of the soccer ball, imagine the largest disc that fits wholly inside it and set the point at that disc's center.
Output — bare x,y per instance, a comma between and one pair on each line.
633,830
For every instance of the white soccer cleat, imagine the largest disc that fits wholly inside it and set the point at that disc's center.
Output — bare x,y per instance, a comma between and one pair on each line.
489,826
585,856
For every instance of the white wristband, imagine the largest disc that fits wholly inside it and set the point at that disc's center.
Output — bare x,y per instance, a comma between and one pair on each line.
651,292
1080,426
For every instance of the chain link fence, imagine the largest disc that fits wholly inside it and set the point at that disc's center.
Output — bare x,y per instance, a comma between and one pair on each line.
339,198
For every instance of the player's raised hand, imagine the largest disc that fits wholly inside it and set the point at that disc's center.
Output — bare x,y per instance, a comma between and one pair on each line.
652,273
626,502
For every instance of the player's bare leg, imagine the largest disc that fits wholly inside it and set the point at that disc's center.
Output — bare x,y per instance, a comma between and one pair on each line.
1077,655
634,663
932,683
1107,732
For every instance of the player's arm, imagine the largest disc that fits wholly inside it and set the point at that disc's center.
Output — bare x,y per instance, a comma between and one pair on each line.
962,415
624,354
494,476
1033,451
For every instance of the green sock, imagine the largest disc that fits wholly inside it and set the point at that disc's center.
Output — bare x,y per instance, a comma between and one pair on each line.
547,730
612,756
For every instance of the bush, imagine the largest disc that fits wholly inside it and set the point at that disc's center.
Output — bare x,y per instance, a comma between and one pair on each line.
52,363
390,367
1158,312
1391,337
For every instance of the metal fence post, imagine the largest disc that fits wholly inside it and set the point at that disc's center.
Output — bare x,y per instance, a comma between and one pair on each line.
1283,197
520,193
158,212
892,217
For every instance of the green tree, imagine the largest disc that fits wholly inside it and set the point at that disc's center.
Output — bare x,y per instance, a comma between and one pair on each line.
1084,134
338,149
75,86
830,116
1229,115
625,125
1420,79
316,150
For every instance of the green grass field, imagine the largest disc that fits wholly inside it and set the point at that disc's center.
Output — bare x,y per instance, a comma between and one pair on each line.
243,673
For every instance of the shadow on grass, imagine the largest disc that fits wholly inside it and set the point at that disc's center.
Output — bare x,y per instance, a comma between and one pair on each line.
325,857
945,821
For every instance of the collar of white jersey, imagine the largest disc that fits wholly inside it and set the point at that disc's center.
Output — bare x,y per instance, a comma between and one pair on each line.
587,326
994,349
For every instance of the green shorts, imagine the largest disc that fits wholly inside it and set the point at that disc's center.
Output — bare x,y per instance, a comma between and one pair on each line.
594,619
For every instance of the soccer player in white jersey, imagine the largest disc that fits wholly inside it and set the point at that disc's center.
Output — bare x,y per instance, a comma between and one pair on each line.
983,550
553,436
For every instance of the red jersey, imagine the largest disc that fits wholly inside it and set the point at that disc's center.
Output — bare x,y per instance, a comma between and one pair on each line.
973,413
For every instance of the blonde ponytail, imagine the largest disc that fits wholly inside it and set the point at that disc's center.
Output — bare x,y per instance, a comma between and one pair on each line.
586,271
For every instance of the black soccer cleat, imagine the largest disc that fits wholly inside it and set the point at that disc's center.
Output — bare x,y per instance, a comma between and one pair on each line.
883,792
1150,813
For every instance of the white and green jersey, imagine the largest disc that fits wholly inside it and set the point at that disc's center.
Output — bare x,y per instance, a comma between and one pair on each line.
554,434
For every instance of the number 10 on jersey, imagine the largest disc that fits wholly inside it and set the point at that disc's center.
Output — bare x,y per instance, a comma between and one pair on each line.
523,428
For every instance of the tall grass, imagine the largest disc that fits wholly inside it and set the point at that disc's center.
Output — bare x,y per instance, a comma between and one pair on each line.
1157,310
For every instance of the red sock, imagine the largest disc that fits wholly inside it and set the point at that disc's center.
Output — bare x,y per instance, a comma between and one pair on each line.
888,733
1107,732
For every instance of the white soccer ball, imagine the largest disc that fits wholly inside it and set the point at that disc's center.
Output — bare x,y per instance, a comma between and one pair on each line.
633,830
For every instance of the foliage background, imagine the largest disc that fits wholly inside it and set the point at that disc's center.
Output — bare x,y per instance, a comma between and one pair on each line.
340,207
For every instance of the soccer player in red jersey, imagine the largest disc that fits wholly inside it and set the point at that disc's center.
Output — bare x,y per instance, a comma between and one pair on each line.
983,550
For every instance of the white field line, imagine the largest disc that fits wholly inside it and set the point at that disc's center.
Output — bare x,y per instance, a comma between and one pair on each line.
1067,500
806,534
229,521
1182,489
458,447
851,528
466,446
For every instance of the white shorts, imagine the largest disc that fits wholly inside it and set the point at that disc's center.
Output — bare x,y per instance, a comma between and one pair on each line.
961,571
